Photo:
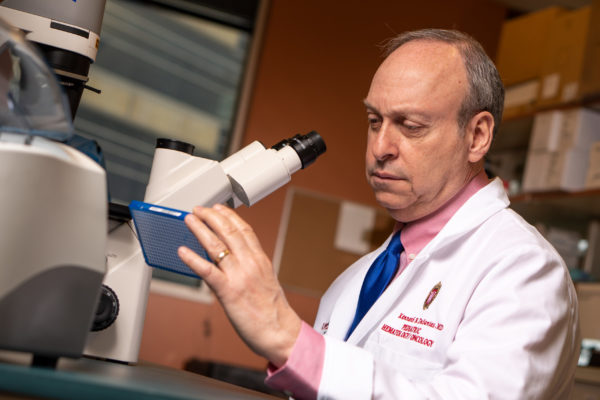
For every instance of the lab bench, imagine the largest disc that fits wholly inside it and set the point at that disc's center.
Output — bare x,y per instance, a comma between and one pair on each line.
90,379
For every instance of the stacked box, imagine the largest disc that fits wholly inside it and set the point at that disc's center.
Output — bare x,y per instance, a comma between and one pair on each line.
590,76
550,57
521,50
543,143
559,153
545,133
564,59
522,45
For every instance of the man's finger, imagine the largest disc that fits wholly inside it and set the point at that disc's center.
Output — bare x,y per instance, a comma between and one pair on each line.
216,249
205,269
242,226
213,245
224,229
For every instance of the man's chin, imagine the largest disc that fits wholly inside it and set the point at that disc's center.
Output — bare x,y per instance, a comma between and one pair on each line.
401,198
392,202
399,208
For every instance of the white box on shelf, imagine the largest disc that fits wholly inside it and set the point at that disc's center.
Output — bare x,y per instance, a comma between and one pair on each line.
545,133
580,128
595,154
536,170
593,173
521,94
567,170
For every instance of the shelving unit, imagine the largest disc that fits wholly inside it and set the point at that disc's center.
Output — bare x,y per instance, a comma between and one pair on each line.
569,210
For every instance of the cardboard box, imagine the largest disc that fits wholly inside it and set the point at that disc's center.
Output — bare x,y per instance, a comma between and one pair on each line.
590,76
522,45
562,65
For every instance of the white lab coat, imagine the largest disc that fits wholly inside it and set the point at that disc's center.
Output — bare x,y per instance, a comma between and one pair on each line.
503,324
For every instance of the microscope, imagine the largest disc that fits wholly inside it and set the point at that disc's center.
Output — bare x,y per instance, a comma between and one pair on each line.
181,181
111,306
53,197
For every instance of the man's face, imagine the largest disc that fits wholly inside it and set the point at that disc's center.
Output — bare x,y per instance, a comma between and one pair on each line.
417,157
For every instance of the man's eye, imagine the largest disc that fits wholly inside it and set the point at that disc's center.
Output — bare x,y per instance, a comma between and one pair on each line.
411,127
374,122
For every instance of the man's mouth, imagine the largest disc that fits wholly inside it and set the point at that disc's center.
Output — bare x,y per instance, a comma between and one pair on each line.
385,175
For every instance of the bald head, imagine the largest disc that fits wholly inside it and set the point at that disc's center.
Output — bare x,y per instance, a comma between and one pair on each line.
422,75
486,91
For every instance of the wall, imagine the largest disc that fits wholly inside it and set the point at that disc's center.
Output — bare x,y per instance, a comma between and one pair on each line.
314,71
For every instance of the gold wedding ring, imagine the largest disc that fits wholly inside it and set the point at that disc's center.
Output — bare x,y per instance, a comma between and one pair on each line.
221,256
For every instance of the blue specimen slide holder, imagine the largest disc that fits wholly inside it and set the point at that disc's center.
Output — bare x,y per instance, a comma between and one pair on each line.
161,231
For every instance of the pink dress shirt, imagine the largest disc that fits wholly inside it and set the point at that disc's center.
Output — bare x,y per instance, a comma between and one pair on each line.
300,376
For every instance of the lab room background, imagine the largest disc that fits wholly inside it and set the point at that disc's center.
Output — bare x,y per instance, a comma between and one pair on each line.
308,66
313,70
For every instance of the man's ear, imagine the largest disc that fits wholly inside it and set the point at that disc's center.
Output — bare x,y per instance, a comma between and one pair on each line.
481,129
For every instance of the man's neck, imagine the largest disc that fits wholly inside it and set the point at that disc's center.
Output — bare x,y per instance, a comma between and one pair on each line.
416,234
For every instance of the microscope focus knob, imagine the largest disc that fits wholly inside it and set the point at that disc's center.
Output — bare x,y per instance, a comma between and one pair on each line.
108,309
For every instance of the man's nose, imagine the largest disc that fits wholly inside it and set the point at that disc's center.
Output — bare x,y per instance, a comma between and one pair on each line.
385,143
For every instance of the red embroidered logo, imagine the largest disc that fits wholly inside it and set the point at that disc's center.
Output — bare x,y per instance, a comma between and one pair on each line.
432,295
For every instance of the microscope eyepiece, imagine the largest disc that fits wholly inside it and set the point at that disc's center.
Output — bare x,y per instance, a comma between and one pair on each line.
172,144
308,147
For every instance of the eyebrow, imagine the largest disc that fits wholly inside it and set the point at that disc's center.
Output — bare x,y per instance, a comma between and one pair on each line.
368,105
404,113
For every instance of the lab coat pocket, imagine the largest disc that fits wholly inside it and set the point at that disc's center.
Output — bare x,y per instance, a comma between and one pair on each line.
417,367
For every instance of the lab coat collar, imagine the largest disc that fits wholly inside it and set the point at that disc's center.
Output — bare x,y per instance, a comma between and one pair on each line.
488,201
476,210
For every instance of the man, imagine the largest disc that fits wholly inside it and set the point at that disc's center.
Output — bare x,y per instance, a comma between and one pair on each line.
479,304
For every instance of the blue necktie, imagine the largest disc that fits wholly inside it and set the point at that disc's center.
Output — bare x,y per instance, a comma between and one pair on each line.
378,277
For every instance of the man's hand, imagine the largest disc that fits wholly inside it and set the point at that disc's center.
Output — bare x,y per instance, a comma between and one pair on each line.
244,282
